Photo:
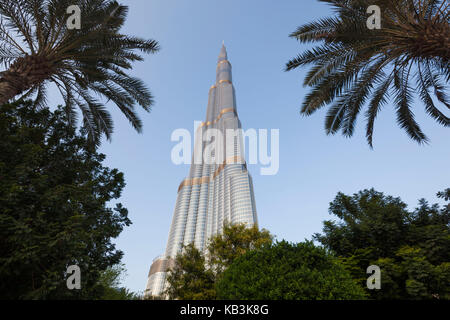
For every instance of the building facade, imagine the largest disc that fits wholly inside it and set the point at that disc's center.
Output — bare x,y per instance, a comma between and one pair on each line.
218,188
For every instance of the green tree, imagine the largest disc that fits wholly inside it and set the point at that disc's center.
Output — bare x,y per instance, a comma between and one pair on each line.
354,66
110,279
38,48
194,274
190,278
54,193
234,241
285,271
410,247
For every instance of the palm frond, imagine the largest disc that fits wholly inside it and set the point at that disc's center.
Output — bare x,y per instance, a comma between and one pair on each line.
423,84
37,48
352,66
405,117
380,96
316,30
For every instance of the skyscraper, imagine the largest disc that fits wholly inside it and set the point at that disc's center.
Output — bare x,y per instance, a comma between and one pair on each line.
219,188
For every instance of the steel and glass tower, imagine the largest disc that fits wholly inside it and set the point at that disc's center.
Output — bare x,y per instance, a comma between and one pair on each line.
219,188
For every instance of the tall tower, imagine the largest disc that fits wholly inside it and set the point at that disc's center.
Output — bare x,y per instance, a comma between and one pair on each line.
218,188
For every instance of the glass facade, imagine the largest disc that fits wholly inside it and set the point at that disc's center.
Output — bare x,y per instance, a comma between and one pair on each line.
219,188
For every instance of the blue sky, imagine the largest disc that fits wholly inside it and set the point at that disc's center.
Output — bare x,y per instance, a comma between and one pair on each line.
313,167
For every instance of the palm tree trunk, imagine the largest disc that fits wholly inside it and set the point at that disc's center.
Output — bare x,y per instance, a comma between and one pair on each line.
23,74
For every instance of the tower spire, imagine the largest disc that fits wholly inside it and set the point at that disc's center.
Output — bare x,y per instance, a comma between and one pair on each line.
223,72
223,53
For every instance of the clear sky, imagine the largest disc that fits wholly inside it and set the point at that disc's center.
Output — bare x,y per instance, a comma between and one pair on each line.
313,167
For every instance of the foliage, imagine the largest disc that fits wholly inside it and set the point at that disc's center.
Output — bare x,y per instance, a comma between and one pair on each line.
234,241
38,48
411,248
444,194
53,207
110,280
285,271
189,278
354,66
195,274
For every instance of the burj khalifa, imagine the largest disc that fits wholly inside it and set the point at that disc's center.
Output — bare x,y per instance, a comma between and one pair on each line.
218,188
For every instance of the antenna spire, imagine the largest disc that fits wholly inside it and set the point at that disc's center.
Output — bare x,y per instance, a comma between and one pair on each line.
223,52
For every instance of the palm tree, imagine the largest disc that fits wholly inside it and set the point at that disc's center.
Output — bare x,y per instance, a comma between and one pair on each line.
37,47
353,66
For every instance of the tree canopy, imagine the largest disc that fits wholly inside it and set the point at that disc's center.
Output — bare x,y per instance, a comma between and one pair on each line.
233,242
54,197
190,278
195,274
285,271
110,280
412,248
